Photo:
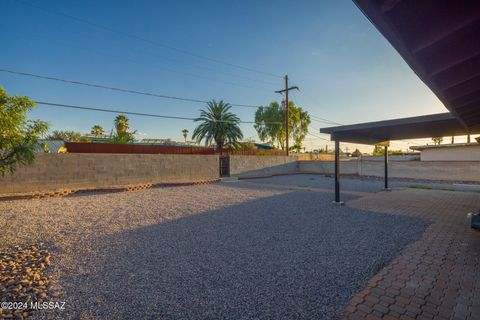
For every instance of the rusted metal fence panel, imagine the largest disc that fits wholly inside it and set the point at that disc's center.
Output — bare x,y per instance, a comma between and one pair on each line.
254,152
87,147
92,147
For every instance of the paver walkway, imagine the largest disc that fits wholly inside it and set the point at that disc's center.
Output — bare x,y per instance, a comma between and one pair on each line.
437,277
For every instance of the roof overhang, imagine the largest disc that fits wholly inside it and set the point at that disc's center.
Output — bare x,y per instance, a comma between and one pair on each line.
435,125
439,39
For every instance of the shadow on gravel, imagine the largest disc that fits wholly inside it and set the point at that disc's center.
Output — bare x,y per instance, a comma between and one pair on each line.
291,256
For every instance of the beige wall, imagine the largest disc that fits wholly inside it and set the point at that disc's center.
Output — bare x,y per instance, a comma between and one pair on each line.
251,166
449,171
77,170
456,153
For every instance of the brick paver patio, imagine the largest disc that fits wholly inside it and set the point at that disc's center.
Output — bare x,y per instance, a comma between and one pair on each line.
437,277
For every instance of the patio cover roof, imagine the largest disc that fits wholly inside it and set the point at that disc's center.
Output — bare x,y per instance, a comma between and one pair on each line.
435,125
439,39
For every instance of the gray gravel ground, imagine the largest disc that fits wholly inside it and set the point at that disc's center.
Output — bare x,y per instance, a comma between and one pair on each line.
224,251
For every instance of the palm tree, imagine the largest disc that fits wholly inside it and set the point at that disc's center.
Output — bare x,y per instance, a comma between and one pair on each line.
218,125
121,123
97,130
185,134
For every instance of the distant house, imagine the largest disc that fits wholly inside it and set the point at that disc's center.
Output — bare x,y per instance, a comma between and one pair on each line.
449,152
264,146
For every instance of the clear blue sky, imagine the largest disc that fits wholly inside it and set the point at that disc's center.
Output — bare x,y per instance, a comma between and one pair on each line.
346,71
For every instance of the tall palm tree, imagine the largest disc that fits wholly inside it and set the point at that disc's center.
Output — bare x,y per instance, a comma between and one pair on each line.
97,130
121,123
218,125
185,134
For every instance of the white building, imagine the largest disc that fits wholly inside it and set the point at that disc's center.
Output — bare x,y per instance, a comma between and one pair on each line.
449,152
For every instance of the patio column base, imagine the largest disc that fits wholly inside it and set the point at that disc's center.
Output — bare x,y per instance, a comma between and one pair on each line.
338,203
386,189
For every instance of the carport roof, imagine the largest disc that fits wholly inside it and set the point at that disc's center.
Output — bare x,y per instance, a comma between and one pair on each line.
435,125
439,39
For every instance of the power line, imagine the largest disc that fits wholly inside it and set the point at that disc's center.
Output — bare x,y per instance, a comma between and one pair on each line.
61,105
133,36
316,118
99,86
323,120
93,51
318,137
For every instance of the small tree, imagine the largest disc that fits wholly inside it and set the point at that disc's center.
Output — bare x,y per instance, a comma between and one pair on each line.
356,153
218,125
122,134
121,123
437,140
18,135
270,124
65,135
185,134
378,150
97,130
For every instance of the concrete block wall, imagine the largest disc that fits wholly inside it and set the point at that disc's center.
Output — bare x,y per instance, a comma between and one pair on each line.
468,171
349,167
52,172
78,171
315,156
259,166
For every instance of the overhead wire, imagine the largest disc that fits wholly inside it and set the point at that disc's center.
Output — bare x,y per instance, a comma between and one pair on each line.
189,74
139,38
61,105
323,120
100,86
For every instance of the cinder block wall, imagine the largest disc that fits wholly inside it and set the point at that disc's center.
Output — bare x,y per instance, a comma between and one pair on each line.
468,171
84,171
259,166
315,156
80,170
349,167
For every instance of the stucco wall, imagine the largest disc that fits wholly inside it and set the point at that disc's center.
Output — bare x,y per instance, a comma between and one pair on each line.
428,170
255,166
76,170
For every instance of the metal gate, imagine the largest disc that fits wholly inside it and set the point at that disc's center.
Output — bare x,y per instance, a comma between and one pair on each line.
224,166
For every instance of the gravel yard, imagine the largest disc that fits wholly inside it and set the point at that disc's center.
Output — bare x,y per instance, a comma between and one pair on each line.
238,250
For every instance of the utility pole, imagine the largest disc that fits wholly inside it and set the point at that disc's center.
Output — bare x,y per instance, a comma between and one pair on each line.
286,108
